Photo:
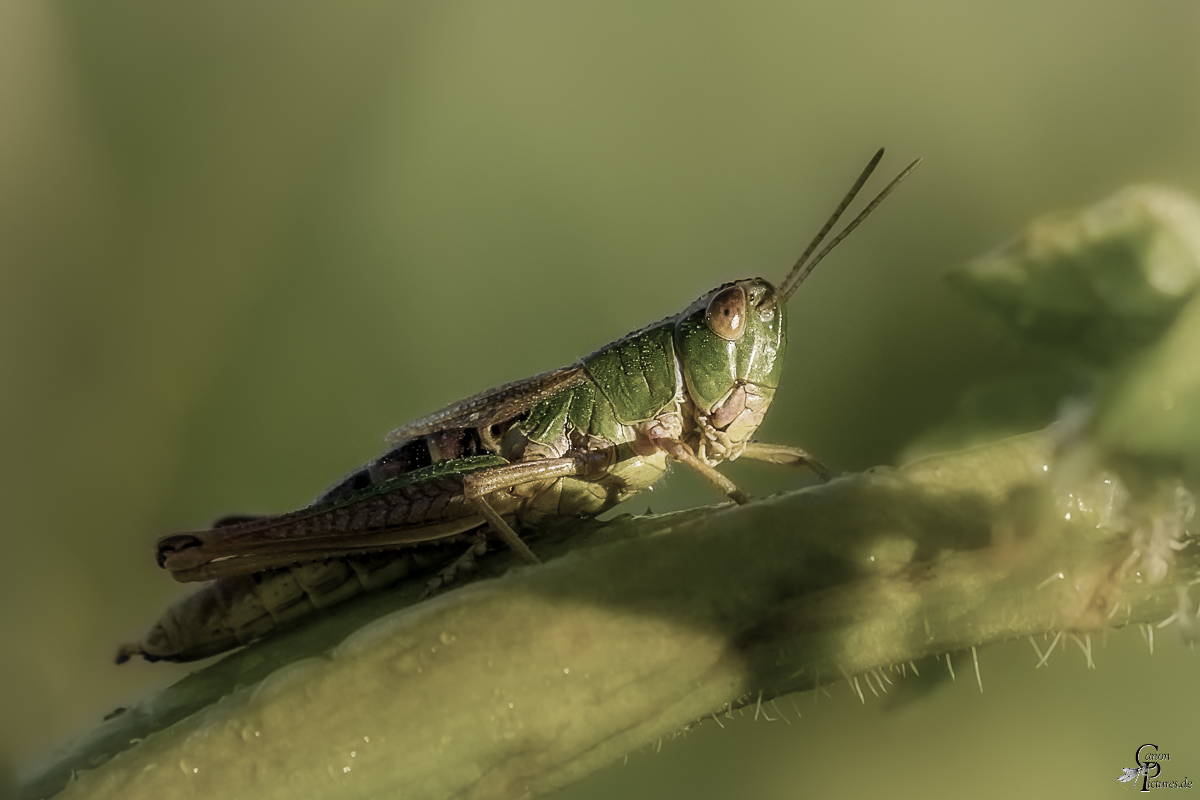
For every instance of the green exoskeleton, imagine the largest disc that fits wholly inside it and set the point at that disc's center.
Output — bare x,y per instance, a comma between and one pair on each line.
574,442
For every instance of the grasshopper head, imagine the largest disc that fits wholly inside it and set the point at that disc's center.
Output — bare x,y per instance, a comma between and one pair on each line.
732,336
730,342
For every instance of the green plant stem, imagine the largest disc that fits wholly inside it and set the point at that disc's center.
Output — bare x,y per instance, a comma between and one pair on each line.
636,628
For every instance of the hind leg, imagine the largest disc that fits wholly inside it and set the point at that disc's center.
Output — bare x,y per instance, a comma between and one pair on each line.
462,564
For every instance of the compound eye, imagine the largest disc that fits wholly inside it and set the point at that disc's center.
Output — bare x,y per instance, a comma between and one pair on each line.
726,314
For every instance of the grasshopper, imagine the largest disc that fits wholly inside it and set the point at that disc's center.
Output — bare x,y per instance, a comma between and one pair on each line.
574,442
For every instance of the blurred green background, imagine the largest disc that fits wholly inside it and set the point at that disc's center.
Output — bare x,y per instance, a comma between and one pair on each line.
241,242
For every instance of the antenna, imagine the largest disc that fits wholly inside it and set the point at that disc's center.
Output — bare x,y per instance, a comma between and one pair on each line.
801,270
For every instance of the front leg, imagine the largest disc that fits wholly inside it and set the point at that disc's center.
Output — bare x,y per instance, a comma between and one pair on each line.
789,456
661,438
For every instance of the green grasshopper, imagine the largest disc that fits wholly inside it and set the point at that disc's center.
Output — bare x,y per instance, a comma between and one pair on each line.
574,442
